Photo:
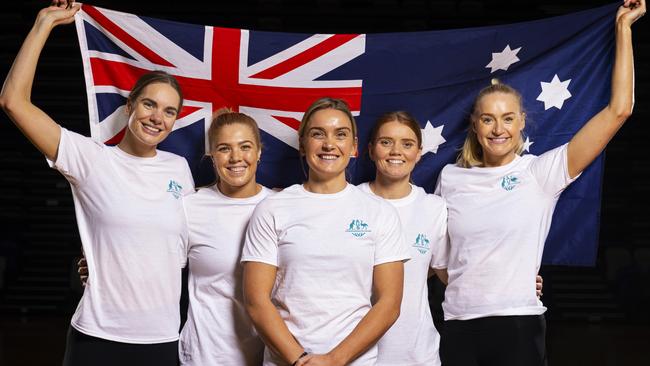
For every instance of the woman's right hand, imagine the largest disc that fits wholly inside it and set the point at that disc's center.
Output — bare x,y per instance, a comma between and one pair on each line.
59,12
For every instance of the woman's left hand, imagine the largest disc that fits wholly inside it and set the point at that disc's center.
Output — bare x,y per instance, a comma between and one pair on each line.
630,12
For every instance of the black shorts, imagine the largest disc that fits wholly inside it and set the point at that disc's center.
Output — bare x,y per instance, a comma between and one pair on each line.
85,350
496,340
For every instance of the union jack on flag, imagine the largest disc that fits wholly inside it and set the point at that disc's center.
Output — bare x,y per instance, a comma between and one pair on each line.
435,75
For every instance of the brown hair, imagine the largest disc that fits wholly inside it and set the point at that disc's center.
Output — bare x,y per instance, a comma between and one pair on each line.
153,77
225,117
471,153
325,103
402,117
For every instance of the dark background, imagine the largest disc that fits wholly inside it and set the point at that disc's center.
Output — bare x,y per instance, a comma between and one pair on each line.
598,315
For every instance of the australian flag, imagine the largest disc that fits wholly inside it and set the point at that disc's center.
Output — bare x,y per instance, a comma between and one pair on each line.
561,66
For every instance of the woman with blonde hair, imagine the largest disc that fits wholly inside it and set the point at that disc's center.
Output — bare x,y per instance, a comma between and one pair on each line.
500,207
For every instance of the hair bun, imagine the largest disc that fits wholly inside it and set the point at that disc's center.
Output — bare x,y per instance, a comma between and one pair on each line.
220,111
494,81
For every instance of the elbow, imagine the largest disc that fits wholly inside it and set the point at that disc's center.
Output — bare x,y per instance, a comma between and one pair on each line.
4,103
254,307
8,103
392,311
622,113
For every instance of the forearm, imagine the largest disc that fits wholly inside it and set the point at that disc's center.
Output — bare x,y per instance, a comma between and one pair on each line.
369,330
15,97
622,97
273,330
592,138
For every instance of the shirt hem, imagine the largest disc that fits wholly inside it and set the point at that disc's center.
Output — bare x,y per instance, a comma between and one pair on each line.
401,258
120,339
260,260
509,312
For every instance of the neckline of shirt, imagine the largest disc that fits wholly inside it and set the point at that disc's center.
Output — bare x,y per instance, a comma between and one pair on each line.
397,202
123,154
491,169
336,195
252,199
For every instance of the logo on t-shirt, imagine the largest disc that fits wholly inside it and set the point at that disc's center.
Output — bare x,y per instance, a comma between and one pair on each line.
358,228
509,182
422,243
174,188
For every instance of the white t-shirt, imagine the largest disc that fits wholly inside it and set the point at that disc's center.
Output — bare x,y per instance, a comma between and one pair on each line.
218,331
131,223
499,218
325,247
413,340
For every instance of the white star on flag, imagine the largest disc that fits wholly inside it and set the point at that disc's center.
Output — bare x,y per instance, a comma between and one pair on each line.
554,93
502,60
432,138
528,144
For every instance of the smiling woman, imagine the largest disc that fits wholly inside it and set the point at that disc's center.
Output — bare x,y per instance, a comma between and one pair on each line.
500,210
129,314
316,253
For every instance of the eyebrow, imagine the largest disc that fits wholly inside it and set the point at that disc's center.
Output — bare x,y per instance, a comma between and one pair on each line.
492,115
239,143
391,138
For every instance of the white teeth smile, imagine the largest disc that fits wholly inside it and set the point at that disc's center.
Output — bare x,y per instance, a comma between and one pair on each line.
393,161
499,140
152,129
237,169
328,157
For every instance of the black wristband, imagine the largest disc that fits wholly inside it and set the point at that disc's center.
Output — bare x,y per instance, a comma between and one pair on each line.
299,357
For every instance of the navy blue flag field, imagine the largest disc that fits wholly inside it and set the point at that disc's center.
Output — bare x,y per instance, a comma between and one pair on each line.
561,65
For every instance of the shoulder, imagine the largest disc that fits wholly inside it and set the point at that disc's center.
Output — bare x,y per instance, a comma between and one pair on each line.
74,138
428,199
167,157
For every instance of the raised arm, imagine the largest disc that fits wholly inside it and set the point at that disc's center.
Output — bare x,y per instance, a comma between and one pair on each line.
259,279
592,138
388,280
15,98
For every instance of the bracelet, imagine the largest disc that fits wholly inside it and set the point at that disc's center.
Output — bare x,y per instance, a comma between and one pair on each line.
299,357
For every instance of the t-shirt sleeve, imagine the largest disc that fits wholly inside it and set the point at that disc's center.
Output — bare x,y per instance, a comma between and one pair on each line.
391,245
261,243
440,238
76,156
551,170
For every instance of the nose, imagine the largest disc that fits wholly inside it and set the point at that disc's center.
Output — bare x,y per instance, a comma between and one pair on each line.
395,149
235,155
156,115
498,128
328,143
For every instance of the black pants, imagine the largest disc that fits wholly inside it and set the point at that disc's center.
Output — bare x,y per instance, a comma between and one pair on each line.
85,350
497,340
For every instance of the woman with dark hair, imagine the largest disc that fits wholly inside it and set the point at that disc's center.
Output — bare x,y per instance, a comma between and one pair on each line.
500,207
395,147
128,207
323,261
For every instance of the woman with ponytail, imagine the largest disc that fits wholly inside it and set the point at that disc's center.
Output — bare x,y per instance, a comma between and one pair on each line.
500,207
